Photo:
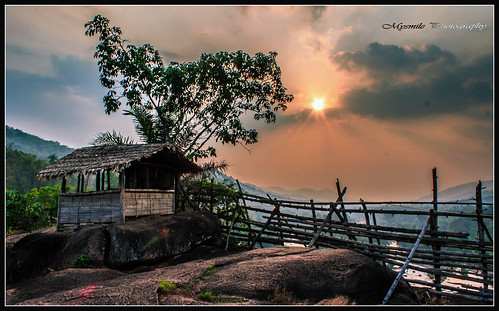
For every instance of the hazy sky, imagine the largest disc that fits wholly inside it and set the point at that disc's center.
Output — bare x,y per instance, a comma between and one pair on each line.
398,100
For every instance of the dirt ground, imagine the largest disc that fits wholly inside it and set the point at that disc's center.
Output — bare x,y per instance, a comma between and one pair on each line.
424,296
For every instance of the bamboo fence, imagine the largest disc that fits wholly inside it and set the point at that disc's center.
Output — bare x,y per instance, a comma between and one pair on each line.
467,264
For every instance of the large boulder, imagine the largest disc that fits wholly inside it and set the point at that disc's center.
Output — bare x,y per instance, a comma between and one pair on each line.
91,241
157,237
118,245
306,275
276,275
33,254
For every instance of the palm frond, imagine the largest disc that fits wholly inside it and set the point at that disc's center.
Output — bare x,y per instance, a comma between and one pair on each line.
114,138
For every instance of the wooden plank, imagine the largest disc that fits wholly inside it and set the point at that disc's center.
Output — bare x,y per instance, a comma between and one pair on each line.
402,270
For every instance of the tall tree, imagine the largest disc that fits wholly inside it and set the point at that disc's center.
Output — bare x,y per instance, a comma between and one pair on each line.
187,104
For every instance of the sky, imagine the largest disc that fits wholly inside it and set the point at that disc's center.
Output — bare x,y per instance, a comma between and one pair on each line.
404,88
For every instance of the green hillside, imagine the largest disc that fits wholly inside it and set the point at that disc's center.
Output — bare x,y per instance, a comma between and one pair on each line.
34,145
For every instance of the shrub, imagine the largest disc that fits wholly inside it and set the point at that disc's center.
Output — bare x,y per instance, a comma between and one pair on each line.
206,296
24,212
83,261
167,287
209,271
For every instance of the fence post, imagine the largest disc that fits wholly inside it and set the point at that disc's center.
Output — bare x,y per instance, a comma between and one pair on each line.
366,215
340,198
434,227
481,237
279,223
274,212
312,205
245,213
401,272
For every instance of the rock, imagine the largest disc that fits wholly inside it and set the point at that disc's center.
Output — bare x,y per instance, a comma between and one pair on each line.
157,237
118,245
91,241
32,255
307,275
276,275
58,281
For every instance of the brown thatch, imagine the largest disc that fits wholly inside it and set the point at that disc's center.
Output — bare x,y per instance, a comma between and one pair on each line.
89,160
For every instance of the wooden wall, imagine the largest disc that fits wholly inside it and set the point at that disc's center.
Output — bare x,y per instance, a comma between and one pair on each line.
148,202
90,207
107,206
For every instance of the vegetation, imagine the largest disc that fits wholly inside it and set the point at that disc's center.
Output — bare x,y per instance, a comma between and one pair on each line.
33,210
83,261
166,287
21,170
24,213
187,104
209,271
207,296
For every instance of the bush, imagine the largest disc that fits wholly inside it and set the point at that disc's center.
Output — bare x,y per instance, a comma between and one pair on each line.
24,212
166,287
83,261
48,197
206,296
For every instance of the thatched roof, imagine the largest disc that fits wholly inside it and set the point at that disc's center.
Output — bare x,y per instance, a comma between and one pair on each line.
89,160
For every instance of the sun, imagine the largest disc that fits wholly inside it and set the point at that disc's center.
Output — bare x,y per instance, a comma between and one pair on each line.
318,104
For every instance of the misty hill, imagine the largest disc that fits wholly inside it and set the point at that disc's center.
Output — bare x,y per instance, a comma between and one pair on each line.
31,144
465,193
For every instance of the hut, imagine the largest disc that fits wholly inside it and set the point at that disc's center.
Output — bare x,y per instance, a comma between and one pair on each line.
148,178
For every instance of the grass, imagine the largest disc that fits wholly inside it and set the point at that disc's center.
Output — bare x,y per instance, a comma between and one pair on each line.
166,287
209,271
206,296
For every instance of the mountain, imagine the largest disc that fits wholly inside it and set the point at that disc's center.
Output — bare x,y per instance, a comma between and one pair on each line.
323,195
464,193
34,145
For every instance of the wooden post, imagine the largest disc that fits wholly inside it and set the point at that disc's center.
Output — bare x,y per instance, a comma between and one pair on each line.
366,215
103,177
97,181
481,238
245,213
78,184
274,212
434,227
108,180
63,186
340,198
401,272
332,208
82,183
312,205
177,190
122,194
373,216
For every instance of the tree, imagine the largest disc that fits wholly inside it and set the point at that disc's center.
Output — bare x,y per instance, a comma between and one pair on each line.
187,104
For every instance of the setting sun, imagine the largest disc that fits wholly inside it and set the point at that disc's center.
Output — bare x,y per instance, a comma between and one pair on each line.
318,104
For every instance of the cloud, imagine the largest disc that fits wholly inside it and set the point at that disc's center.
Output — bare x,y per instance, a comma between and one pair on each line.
66,107
407,82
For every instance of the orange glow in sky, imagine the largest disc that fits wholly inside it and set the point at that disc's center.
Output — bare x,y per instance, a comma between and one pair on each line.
376,107
318,104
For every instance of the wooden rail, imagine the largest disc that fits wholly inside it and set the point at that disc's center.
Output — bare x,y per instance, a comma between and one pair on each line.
363,227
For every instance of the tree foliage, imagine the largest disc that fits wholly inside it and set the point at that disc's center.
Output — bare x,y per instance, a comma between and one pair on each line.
21,170
187,104
23,212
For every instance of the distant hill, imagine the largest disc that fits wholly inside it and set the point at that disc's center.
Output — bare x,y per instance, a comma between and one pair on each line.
34,145
465,193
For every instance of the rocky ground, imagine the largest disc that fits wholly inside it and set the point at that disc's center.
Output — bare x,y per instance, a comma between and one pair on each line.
209,275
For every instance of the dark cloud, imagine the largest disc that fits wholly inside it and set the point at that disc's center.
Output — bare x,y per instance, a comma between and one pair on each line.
439,82
317,12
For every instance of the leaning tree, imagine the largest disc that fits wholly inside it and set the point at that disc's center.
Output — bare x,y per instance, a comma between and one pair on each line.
189,104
